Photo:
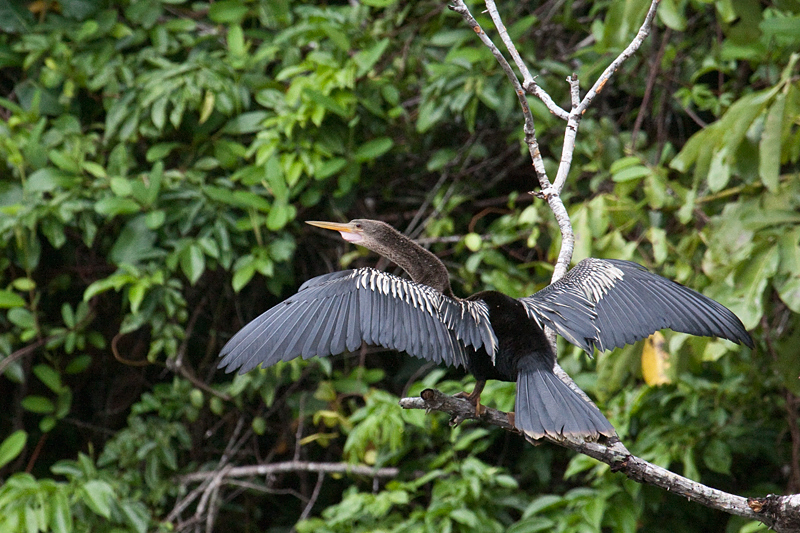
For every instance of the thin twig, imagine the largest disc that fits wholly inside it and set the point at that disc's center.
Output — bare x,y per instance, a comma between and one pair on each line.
314,495
530,131
655,70
528,81
637,41
22,352
296,466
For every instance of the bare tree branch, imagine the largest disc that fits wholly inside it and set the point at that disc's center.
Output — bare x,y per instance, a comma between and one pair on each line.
781,513
530,131
295,466
528,82
578,110
631,49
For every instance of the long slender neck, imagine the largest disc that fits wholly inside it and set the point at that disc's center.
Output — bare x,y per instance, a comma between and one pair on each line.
419,263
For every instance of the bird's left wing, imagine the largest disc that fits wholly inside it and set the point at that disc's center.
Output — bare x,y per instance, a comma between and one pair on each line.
336,312
607,303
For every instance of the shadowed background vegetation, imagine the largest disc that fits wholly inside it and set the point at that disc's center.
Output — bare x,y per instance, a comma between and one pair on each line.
161,155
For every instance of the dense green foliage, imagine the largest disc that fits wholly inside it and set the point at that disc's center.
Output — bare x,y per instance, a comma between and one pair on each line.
160,155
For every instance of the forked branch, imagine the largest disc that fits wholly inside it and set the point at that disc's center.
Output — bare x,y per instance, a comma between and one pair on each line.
551,192
781,513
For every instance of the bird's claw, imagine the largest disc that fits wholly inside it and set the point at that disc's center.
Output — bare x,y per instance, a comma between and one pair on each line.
474,400
456,420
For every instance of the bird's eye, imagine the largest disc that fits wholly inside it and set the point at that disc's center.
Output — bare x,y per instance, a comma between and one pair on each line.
358,225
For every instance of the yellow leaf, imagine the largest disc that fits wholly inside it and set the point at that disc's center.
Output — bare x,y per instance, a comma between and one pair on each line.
655,360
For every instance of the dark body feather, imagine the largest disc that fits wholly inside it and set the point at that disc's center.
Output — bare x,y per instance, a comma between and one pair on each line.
598,304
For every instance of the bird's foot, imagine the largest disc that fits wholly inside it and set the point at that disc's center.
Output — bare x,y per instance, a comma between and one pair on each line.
474,400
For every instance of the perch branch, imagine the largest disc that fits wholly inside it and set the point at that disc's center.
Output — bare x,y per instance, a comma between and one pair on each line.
782,513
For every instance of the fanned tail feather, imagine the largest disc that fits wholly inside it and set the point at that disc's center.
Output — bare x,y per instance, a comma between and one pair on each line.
546,405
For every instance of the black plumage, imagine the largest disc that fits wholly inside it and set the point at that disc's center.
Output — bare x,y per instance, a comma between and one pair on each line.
598,304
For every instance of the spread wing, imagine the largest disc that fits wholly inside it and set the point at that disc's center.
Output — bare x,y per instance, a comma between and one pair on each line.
607,303
336,312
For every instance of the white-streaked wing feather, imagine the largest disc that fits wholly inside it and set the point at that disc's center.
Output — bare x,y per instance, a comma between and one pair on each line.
334,313
607,303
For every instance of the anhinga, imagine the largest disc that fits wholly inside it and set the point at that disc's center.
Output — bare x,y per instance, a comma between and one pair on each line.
600,303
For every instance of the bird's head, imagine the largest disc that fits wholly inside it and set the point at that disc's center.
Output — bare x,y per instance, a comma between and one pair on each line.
384,240
362,231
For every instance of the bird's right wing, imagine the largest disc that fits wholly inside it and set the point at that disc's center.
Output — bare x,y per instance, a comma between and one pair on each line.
607,303
336,312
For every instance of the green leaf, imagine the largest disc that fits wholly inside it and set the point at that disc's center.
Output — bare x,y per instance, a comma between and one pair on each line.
623,163
671,15
81,9
789,292
534,524
24,284
10,299
373,149
243,273
12,446
120,186
98,496
113,205
22,318
751,284
769,157
193,262
631,173
378,3
250,199
473,241
465,516
38,404
760,219
134,243
116,281
325,101
60,513
227,12
96,170
788,27
430,113
719,173
136,515
235,46
14,17
789,244
78,364
159,151
155,219
246,122
49,179
279,215
49,377
366,59
717,457
330,167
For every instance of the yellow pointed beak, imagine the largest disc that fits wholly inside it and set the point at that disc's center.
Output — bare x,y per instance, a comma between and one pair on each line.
335,226
349,231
